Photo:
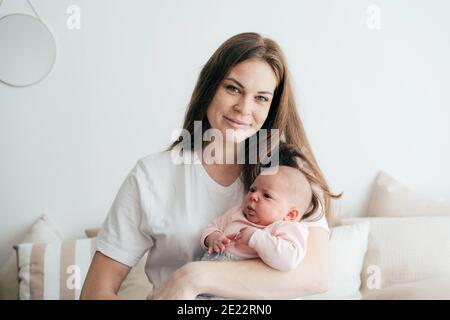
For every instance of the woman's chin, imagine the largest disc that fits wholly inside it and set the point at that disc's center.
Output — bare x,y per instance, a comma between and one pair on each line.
237,135
234,135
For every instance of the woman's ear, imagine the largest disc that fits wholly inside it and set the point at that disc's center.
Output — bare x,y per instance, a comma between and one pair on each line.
292,215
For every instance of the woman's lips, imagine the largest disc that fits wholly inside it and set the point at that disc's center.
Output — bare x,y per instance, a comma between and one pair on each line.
235,123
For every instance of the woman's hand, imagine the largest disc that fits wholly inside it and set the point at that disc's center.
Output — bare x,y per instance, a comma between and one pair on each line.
182,284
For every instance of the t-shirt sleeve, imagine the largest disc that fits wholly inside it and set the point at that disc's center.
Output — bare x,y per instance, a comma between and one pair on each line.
121,237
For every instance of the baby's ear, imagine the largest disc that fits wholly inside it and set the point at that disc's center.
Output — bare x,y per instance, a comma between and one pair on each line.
293,215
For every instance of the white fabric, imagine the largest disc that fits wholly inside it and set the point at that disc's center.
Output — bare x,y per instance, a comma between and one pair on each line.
390,198
348,245
429,289
51,270
23,273
402,250
163,207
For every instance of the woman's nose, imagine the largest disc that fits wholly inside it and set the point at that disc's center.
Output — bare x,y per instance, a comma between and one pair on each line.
244,105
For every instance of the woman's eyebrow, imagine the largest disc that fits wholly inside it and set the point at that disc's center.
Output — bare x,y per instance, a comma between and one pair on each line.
239,84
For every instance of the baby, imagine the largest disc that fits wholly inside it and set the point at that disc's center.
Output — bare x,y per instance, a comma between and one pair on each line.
267,223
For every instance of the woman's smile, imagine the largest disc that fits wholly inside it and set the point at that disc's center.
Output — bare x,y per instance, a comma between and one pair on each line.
235,123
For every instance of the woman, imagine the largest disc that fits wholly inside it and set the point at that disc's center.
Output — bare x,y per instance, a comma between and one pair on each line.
162,206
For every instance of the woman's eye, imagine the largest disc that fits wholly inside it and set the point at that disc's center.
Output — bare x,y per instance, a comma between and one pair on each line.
262,98
233,88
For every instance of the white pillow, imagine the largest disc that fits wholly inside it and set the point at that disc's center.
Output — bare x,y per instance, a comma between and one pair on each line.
402,250
348,245
429,289
41,231
390,198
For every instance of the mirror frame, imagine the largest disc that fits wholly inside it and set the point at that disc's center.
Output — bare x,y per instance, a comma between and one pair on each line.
54,46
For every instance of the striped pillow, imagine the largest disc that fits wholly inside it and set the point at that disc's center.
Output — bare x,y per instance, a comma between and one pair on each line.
54,271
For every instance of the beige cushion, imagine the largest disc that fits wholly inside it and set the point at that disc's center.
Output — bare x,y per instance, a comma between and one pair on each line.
403,250
348,245
136,285
42,231
91,233
429,289
56,271
391,198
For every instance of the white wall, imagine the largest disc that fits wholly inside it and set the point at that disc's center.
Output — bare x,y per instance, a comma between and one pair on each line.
370,100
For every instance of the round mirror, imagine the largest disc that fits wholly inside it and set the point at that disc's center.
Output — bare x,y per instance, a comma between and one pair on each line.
27,50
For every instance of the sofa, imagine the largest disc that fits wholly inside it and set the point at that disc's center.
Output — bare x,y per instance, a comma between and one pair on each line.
400,249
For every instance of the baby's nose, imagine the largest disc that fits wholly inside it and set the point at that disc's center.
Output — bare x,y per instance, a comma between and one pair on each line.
253,197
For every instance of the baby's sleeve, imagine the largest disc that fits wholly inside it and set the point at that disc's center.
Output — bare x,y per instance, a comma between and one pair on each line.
121,237
282,245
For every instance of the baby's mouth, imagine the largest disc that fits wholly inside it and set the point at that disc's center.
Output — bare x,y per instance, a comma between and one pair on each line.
249,212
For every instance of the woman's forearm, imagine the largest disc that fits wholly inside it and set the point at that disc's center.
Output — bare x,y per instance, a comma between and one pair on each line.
103,279
252,279
105,295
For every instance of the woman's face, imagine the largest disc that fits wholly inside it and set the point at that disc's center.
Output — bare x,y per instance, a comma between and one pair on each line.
242,100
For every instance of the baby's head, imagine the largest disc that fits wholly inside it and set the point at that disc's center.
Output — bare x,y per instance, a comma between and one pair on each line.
279,193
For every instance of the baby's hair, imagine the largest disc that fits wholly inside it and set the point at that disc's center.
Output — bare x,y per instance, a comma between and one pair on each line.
298,188
291,156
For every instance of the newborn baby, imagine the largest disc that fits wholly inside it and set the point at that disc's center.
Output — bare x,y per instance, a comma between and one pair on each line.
267,223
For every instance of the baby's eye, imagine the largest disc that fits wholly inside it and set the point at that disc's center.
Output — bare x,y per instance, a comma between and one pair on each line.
262,98
232,88
252,189
266,195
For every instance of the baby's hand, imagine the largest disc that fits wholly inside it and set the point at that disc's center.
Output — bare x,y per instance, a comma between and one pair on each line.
243,236
217,241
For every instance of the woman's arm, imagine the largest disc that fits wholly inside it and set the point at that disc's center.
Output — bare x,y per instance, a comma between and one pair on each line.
104,278
252,279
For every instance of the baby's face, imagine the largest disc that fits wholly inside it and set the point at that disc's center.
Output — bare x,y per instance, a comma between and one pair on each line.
268,199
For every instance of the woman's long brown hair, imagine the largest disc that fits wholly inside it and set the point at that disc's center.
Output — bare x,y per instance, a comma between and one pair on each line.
283,114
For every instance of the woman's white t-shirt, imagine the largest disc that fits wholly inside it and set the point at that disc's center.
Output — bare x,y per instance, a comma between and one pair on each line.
162,207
